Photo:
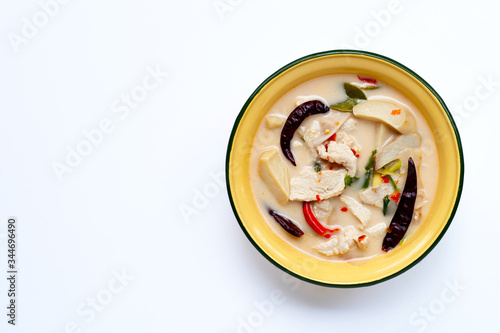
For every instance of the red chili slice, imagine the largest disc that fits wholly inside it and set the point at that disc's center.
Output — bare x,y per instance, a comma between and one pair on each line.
333,137
313,221
396,196
367,79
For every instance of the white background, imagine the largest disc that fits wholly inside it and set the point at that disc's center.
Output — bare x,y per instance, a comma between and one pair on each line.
117,211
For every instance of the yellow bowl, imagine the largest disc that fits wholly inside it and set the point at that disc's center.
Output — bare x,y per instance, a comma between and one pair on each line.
383,267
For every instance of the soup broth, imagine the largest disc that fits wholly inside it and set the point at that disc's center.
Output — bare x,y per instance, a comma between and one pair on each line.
340,145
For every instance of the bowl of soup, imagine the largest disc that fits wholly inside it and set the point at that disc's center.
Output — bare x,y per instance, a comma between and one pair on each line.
344,168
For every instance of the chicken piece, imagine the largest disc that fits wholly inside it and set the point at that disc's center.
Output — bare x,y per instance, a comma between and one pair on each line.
374,232
322,127
309,184
339,153
330,123
350,237
340,244
377,230
343,137
323,209
362,241
350,125
375,196
357,209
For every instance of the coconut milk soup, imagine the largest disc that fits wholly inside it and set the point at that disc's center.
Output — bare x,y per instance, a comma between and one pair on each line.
344,167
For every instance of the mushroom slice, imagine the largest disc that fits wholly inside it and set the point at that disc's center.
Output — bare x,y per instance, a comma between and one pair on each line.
393,149
397,117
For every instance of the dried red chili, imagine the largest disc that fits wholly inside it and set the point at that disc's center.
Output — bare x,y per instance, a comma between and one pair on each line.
286,224
404,213
293,122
